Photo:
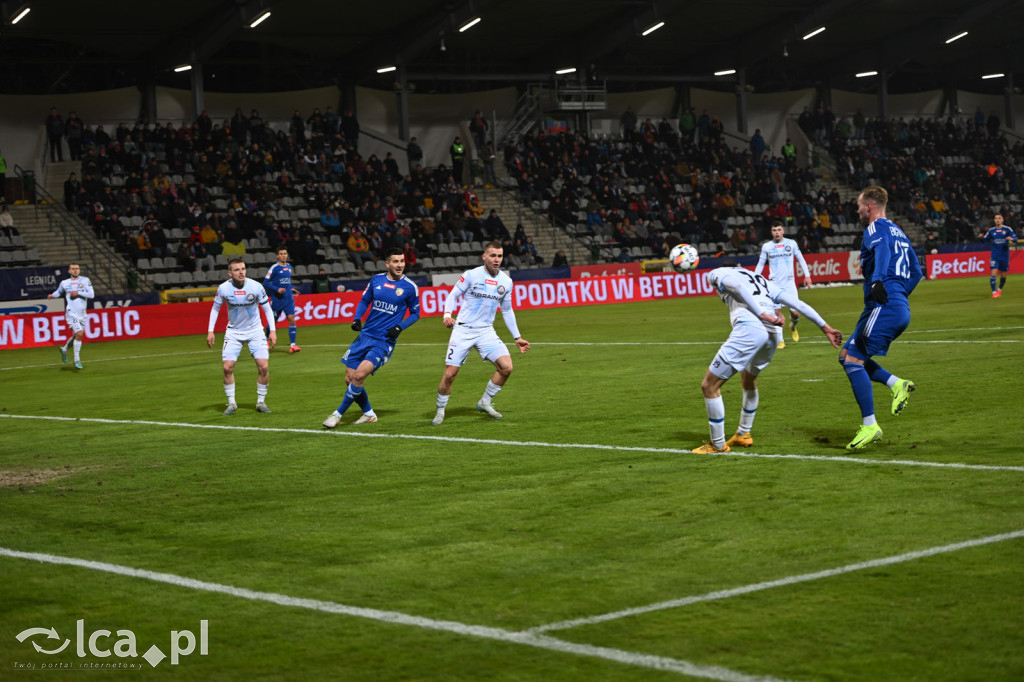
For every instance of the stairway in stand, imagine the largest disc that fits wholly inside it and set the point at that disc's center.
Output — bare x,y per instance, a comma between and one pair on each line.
546,237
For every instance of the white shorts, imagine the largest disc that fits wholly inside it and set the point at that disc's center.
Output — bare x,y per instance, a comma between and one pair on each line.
464,339
233,342
749,347
75,323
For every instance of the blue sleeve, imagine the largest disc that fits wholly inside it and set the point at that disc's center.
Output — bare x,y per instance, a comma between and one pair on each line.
987,237
916,275
412,301
365,301
268,281
880,249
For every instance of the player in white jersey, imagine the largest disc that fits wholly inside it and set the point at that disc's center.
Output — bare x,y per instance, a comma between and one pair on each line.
756,332
76,290
780,254
483,291
244,297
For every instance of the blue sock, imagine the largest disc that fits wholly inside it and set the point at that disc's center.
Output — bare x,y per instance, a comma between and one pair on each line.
861,385
992,281
352,394
292,333
1002,282
876,372
363,399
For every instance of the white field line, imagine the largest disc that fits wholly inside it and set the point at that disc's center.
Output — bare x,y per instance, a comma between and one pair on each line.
516,443
555,343
782,582
396,618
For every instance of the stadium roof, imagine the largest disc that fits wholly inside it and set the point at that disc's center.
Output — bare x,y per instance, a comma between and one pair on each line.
65,46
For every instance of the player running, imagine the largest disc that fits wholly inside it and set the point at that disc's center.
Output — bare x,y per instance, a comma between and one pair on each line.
1000,235
77,290
388,296
780,254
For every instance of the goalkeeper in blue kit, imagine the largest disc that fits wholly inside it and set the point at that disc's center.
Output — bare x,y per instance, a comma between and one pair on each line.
891,271
388,296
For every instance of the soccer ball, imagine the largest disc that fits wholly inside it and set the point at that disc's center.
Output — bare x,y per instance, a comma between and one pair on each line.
683,257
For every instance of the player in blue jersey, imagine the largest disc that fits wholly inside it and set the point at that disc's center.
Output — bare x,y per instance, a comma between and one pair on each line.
388,296
278,283
1000,235
891,271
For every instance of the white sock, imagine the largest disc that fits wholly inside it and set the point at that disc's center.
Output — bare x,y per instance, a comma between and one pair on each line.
78,350
261,392
891,381
229,391
442,402
716,420
749,411
868,421
489,392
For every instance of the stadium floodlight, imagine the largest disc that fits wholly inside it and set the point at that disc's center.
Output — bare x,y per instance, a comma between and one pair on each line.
725,72
20,13
260,19
958,36
814,33
183,67
651,29
386,69
562,72
469,24
992,75
865,74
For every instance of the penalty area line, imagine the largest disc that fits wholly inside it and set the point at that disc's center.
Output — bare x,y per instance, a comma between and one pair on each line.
510,443
782,582
632,658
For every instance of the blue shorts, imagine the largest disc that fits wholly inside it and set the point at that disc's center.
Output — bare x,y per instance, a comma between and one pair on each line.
1001,262
284,305
876,329
377,351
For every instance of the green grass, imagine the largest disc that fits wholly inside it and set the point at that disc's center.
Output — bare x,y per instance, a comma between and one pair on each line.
581,502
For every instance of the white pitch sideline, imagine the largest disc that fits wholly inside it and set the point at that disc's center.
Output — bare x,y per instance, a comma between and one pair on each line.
535,444
708,672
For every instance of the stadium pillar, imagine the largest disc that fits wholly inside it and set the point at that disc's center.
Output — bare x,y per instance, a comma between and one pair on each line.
883,94
147,105
741,100
198,94
1008,90
403,102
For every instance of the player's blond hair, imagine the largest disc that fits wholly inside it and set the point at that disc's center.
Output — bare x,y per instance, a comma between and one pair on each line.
876,195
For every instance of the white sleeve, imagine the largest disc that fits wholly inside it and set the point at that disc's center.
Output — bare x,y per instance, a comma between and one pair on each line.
268,313
509,316
455,294
734,286
787,299
214,312
60,290
87,291
760,261
803,263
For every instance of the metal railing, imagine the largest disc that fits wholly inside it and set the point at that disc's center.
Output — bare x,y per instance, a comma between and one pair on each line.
106,267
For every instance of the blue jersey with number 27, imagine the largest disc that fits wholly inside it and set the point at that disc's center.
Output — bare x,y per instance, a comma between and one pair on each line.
886,256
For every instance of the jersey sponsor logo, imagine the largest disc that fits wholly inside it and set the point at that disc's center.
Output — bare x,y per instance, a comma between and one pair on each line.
490,281
462,279
390,286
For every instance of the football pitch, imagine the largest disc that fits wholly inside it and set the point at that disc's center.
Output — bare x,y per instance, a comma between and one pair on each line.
575,539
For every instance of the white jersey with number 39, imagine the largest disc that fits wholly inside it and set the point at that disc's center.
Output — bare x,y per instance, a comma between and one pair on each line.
760,292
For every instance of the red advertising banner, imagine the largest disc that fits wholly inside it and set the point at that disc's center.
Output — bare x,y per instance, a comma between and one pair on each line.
968,264
838,266
605,270
183,319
